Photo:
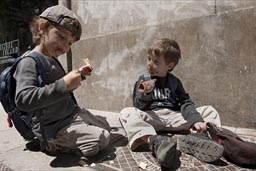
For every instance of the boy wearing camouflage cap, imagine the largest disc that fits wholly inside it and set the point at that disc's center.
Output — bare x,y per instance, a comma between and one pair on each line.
58,121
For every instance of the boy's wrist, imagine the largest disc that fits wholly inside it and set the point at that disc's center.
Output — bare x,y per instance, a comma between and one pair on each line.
83,77
147,93
145,96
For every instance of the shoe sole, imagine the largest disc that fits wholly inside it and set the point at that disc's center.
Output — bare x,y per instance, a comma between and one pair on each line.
203,149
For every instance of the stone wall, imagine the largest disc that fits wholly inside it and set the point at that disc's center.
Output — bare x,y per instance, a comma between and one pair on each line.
217,40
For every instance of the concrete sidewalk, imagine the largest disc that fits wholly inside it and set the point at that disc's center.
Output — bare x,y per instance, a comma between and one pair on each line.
16,154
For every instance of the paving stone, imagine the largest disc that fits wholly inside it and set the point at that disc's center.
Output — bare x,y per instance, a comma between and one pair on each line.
121,157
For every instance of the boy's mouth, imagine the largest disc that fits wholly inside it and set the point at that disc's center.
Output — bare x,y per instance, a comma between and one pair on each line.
59,50
152,71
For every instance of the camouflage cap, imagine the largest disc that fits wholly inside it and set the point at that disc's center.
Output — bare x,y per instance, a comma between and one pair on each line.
64,17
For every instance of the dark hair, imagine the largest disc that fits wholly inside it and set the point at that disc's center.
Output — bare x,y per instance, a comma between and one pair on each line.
168,48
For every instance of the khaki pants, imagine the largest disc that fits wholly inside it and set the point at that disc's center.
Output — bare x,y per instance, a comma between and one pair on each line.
86,135
138,123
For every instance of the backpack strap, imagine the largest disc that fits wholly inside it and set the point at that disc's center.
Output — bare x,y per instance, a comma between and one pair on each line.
39,61
43,65
71,93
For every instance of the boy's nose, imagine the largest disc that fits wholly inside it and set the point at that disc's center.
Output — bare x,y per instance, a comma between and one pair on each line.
152,65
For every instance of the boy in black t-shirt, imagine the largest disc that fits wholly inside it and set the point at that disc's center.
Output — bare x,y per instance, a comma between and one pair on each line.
162,105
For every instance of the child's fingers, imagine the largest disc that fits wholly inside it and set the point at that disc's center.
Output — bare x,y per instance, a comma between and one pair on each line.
86,70
85,67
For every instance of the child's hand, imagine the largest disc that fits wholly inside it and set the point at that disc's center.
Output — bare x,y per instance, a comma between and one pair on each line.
146,86
198,127
86,70
73,80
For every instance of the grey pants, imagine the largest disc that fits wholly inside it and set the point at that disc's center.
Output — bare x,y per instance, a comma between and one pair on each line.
86,135
138,123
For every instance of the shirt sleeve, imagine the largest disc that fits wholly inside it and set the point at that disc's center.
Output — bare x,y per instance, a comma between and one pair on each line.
29,96
188,109
141,100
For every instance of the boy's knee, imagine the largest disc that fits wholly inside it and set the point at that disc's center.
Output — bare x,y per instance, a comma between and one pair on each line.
212,111
126,112
212,115
211,108
93,148
89,150
104,140
207,110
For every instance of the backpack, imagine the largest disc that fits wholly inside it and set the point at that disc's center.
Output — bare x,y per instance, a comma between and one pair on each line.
236,150
21,120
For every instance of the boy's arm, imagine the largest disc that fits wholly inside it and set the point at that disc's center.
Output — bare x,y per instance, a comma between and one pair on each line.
141,100
188,109
29,96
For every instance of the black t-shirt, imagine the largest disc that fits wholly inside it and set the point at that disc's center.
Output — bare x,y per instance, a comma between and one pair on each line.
168,93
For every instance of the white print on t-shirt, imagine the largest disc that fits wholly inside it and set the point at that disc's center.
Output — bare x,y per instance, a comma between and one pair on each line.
161,94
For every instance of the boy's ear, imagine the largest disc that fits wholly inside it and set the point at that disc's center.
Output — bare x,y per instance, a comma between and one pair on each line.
171,65
41,27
